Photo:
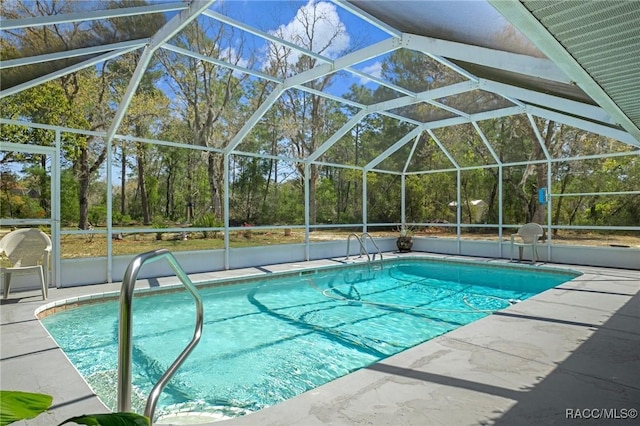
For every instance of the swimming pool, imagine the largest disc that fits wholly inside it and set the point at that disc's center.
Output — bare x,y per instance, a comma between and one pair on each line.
267,340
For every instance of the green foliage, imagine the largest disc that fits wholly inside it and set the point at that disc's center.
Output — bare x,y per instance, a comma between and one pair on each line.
69,211
405,232
111,419
327,198
19,207
288,205
416,193
16,405
250,184
98,215
120,219
16,200
383,198
159,224
207,220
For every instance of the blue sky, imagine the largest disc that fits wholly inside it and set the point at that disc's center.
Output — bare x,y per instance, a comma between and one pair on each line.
279,17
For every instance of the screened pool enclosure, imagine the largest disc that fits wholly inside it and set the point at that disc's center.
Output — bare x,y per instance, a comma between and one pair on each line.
217,128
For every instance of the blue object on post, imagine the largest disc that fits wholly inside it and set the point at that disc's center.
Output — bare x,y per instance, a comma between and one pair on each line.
542,195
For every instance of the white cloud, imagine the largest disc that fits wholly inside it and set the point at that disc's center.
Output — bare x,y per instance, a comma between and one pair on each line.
374,70
231,55
329,37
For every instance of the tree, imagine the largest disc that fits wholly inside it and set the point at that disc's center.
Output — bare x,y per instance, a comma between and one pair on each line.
15,199
307,117
83,99
209,96
145,111
175,164
148,104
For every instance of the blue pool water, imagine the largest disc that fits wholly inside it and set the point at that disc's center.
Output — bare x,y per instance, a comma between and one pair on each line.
268,340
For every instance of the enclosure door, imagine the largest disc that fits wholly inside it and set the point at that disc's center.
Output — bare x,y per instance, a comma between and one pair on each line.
28,195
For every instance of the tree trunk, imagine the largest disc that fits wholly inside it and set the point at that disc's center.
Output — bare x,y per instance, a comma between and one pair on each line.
142,185
313,182
169,207
45,187
558,206
84,179
83,189
541,180
490,214
273,168
213,187
574,212
219,179
541,171
123,179
190,201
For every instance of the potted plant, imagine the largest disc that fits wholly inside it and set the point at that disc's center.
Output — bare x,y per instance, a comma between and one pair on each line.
405,240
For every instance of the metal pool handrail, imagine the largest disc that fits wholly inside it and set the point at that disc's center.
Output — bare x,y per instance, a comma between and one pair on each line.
124,337
366,234
362,247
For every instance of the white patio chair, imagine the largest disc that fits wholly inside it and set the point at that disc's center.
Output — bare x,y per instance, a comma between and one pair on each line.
527,235
25,248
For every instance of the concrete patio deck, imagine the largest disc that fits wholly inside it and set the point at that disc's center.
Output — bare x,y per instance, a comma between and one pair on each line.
570,355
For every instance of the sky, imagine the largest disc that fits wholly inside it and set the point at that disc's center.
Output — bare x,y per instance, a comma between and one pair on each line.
284,19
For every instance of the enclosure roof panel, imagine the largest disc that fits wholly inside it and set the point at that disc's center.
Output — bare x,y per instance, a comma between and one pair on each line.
595,43
470,22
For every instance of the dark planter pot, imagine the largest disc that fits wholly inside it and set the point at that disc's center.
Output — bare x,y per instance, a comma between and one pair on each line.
404,244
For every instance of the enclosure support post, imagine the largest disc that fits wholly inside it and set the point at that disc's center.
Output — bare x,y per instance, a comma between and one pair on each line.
307,172
549,209
226,211
55,210
364,199
109,209
458,209
500,217
403,216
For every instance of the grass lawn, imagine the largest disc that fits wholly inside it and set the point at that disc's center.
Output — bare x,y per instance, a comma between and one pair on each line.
95,245
76,246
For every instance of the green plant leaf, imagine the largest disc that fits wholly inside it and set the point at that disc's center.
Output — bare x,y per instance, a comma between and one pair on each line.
111,419
16,405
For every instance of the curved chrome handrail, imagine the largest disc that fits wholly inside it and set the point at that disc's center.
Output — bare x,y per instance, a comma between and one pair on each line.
366,234
362,248
124,337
